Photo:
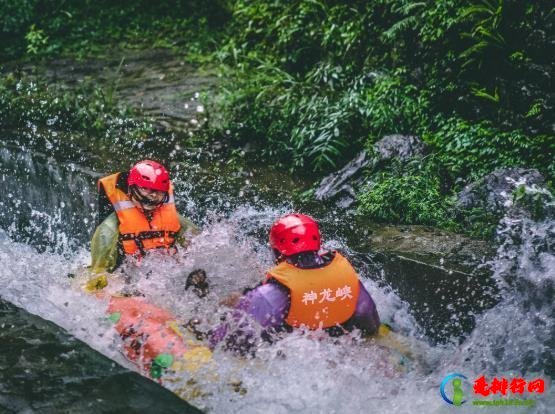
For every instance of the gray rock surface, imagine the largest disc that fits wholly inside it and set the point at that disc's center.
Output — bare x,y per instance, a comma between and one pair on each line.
343,184
434,270
45,370
340,181
157,83
493,192
400,147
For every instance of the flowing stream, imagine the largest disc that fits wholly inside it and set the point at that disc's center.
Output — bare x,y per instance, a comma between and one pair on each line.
500,324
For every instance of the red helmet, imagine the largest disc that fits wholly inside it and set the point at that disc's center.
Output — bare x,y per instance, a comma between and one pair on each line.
294,233
149,174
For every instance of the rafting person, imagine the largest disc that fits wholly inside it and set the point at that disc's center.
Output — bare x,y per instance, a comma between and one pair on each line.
306,288
136,214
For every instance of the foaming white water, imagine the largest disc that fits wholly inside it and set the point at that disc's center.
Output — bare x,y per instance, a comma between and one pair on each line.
521,328
311,372
516,338
38,283
41,199
303,372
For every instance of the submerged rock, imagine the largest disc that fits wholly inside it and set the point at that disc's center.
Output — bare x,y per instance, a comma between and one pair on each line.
435,247
493,193
445,277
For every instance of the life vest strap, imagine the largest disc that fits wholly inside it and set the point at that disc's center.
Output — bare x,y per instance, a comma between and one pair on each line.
146,235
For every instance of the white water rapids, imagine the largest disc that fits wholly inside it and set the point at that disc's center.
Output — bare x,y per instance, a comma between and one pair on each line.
46,208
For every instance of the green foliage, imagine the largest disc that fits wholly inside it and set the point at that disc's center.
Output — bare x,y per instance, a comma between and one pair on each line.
392,106
307,90
311,82
16,16
86,27
471,150
36,40
483,59
487,18
317,124
408,194
24,103
296,35
478,222
538,202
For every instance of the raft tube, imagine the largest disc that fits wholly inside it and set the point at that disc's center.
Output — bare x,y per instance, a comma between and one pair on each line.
151,337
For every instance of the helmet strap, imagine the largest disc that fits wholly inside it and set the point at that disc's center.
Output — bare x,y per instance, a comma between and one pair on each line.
280,257
145,200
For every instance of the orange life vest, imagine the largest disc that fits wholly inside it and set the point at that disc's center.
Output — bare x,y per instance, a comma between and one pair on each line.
137,234
320,298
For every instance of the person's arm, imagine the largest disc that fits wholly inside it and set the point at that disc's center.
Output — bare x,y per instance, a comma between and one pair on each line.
104,246
366,316
187,231
104,255
267,304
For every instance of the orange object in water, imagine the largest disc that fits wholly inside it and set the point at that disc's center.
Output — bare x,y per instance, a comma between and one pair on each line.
149,335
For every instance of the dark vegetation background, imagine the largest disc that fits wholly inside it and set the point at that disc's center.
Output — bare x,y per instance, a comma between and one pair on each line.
310,83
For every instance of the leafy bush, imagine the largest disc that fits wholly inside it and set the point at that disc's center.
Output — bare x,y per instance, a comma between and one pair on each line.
392,106
319,96
472,150
410,195
16,18
36,40
320,122
84,27
311,82
298,35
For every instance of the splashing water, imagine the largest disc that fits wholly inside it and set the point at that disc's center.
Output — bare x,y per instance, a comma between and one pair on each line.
304,371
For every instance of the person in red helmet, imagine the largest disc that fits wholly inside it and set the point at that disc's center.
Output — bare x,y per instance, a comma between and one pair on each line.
324,288
306,288
137,213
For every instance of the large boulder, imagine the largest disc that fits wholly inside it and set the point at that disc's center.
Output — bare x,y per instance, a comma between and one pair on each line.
341,181
343,184
428,268
493,193
400,147
45,370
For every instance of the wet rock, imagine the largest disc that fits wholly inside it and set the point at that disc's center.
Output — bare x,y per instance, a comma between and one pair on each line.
444,276
342,181
45,370
453,252
400,147
156,83
493,193
443,301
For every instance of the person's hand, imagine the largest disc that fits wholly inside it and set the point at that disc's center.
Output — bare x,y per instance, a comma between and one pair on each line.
96,283
231,300
198,281
192,325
